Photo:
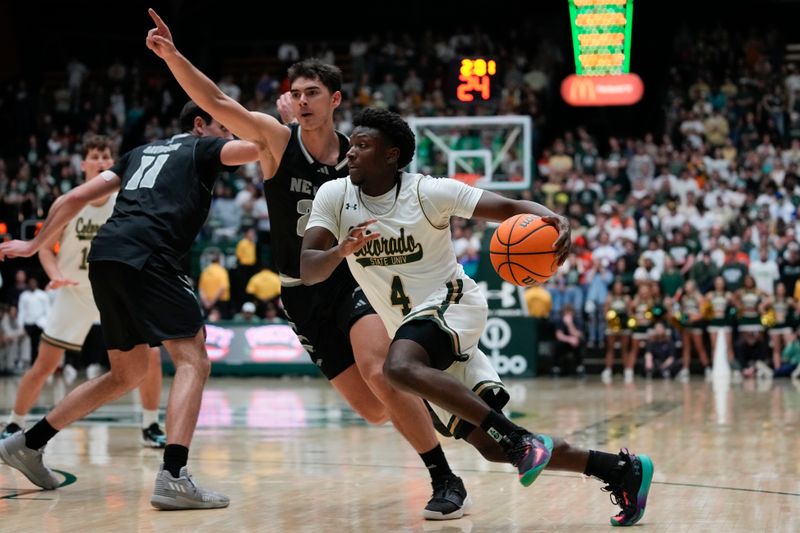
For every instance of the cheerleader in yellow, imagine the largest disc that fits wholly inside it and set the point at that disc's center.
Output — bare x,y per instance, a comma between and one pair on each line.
640,311
749,305
616,312
691,301
780,334
720,303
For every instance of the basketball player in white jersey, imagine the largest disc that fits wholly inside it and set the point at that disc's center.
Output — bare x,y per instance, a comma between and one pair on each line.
393,230
74,310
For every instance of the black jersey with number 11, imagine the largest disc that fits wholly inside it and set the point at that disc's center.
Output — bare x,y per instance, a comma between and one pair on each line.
163,200
290,193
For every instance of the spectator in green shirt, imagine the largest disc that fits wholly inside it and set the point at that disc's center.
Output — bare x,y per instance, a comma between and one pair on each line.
671,279
703,272
733,271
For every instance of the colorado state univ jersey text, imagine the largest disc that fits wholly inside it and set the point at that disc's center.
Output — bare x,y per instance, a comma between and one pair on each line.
76,241
414,255
290,194
163,200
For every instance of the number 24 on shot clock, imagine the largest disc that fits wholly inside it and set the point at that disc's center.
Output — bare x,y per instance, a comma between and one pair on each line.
474,75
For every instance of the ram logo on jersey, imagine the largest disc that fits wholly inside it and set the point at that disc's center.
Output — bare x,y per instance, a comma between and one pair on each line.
391,251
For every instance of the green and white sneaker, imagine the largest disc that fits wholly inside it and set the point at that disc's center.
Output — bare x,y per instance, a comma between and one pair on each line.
172,494
18,456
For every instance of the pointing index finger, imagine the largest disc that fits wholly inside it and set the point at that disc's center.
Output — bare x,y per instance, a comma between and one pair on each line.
156,19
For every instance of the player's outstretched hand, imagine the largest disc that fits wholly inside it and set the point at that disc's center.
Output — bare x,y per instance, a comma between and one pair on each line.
159,39
564,241
16,248
357,237
58,283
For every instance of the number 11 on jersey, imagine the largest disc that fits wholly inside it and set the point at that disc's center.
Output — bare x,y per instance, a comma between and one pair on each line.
145,176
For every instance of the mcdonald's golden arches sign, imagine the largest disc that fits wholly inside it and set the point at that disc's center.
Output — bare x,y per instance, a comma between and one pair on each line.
621,89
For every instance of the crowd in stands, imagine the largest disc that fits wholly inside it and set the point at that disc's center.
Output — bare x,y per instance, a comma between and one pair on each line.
685,234
696,229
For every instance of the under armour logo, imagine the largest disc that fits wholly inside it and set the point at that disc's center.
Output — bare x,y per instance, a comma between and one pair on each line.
350,206
506,294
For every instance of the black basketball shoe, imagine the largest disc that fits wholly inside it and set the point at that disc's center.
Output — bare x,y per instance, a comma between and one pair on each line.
630,493
153,436
9,430
449,501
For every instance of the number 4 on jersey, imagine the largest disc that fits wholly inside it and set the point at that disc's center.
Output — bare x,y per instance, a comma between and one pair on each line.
398,295
145,176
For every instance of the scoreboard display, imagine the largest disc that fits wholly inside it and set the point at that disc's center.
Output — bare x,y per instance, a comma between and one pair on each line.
475,79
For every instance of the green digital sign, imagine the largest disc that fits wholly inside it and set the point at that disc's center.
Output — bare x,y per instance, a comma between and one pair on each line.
601,36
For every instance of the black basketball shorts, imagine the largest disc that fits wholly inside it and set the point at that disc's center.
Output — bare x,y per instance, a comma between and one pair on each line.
321,316
144,306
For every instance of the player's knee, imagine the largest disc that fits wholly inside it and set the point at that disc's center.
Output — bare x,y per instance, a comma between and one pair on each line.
204,367
199,363
126,379
398,372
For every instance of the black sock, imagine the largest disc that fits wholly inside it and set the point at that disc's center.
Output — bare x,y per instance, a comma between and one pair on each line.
175,457
604,466
436,463
498,427
39,434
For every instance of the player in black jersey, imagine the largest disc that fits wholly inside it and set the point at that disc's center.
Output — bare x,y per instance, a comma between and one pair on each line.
144,297
332,319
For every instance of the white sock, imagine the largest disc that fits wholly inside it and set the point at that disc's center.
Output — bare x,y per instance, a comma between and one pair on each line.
17,419
148,417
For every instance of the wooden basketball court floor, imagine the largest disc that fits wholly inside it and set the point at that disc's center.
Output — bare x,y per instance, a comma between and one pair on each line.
293,457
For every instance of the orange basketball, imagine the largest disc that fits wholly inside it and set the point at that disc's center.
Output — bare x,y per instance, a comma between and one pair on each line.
522,250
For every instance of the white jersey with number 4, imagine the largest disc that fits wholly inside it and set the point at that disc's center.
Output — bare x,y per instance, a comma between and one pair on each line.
411,273
76,240
413,260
